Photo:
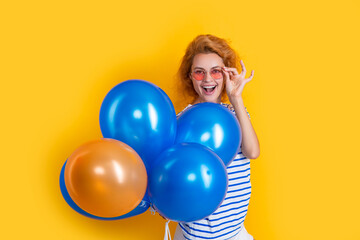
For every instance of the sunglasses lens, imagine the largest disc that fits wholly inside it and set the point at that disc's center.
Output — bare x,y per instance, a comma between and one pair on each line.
198,75
216,73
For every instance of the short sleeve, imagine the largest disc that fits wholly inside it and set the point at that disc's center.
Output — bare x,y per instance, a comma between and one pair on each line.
231,108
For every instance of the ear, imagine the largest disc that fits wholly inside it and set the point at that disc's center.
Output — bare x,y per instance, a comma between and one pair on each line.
189,75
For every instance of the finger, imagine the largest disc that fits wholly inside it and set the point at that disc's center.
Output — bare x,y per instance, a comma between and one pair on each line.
251,76
232,70
232,76
227,75
243,72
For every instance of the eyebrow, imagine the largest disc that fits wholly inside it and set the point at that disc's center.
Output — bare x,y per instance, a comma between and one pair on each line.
204,68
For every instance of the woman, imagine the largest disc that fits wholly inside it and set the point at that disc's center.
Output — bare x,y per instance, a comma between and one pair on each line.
209,73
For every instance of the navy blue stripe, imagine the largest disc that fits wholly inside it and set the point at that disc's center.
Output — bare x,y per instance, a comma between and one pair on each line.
212,232
238,196
218,231
237,184
235,233
230,209
217,237
239,177
238,190
213,226
239,165
239,171
234,202
231,215
238,159
210,237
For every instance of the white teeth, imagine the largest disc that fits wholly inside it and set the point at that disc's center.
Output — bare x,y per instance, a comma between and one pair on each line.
209,88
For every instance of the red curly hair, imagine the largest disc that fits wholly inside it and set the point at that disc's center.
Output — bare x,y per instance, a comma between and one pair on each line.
205,44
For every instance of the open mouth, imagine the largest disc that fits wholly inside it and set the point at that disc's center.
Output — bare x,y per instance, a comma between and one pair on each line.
209,89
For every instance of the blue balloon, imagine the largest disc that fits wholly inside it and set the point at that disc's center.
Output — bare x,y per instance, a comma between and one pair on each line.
187,182
141,208
141,115
213,126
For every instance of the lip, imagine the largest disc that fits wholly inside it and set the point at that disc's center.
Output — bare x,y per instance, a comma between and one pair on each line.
208,93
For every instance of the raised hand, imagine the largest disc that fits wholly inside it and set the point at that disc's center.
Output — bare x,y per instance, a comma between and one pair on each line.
235,82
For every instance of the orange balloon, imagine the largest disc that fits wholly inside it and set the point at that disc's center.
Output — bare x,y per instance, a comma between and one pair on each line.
106,178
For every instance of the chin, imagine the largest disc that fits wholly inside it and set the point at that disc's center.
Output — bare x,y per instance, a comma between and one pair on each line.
210,99
214,98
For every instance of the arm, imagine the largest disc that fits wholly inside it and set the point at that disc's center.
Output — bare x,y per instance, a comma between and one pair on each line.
235,83
249,142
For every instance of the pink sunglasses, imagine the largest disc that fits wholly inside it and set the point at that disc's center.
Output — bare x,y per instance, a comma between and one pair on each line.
199,74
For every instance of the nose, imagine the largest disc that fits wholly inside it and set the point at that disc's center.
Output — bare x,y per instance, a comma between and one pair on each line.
208,77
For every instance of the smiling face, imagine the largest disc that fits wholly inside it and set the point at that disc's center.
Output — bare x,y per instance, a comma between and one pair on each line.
209,89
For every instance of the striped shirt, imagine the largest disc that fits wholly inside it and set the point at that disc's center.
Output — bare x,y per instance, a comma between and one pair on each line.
228,220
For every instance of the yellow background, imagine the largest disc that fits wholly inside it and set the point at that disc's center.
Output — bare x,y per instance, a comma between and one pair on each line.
58,59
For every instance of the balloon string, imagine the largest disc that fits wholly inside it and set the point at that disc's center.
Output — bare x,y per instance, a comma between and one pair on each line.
152,210
167,231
